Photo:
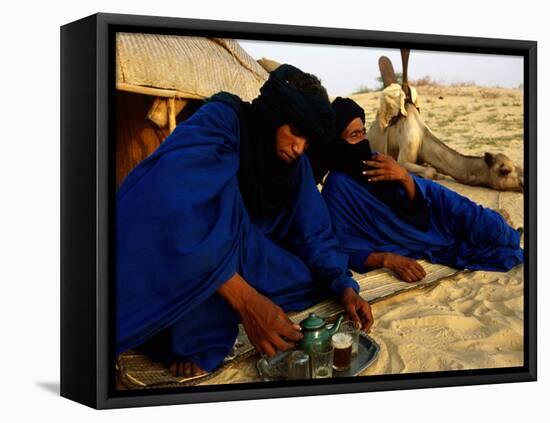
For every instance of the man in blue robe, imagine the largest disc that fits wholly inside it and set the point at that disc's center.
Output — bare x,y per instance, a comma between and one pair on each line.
223,224
384,216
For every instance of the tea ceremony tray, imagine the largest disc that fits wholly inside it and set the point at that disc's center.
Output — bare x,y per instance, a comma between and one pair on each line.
275,368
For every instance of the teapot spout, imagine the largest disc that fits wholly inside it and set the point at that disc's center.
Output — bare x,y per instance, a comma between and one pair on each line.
336,325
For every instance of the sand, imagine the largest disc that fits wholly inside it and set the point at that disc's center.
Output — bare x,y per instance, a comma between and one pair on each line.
468,322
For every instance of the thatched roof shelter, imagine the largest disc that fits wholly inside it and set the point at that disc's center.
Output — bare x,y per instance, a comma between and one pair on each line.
160,79
185,67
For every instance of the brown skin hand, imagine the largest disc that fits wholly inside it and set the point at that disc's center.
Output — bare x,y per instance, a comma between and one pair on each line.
357,309
387,169
268,327
405,268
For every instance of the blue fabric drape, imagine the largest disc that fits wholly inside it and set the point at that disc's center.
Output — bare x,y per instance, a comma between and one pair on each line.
461,233
182,230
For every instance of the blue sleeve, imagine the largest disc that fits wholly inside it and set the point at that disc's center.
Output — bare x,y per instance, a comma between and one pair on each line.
341,198
311,236
415,212
178,219
357,260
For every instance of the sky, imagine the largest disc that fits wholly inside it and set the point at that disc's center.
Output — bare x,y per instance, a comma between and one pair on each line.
343,69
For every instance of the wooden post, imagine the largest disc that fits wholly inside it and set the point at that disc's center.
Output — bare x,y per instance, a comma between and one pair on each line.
172,113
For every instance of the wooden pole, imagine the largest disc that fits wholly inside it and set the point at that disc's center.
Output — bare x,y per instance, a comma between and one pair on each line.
172,113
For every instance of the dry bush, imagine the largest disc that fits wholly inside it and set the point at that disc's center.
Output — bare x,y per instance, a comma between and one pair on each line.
462,84
424,82
488,93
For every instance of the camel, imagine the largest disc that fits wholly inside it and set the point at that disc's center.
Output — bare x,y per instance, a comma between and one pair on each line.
400,132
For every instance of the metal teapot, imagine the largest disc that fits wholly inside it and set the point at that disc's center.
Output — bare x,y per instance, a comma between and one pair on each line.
315,331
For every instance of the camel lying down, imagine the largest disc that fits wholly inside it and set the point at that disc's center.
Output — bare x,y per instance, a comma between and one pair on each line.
399,131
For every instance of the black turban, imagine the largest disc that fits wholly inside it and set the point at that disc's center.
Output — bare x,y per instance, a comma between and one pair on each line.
345,111
311,114
264,178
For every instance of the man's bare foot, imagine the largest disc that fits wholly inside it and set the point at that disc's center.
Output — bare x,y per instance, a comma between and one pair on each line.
185,369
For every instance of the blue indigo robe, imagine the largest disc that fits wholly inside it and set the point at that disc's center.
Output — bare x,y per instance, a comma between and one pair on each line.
460,233
182,230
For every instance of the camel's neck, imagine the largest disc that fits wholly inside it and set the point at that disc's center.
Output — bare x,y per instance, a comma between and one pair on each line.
465,169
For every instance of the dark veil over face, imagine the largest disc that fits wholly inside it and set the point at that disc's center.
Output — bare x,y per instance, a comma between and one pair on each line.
340,154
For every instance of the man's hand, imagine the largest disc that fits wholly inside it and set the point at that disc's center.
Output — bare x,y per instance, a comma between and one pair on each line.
268,327
387,169
357,309
406,269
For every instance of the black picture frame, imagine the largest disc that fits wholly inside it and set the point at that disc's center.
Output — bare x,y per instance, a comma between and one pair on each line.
87,193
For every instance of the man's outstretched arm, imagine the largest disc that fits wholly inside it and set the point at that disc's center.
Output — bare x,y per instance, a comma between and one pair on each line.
268,327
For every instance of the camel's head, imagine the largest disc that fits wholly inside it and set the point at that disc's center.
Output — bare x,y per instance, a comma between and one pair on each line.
503,173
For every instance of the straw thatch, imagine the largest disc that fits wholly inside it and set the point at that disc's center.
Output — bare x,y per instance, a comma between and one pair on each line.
185,67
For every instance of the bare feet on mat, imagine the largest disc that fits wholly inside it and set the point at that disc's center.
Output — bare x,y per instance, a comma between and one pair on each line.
185,369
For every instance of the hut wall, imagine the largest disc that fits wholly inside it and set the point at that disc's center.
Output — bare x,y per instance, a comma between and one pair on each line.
136,136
